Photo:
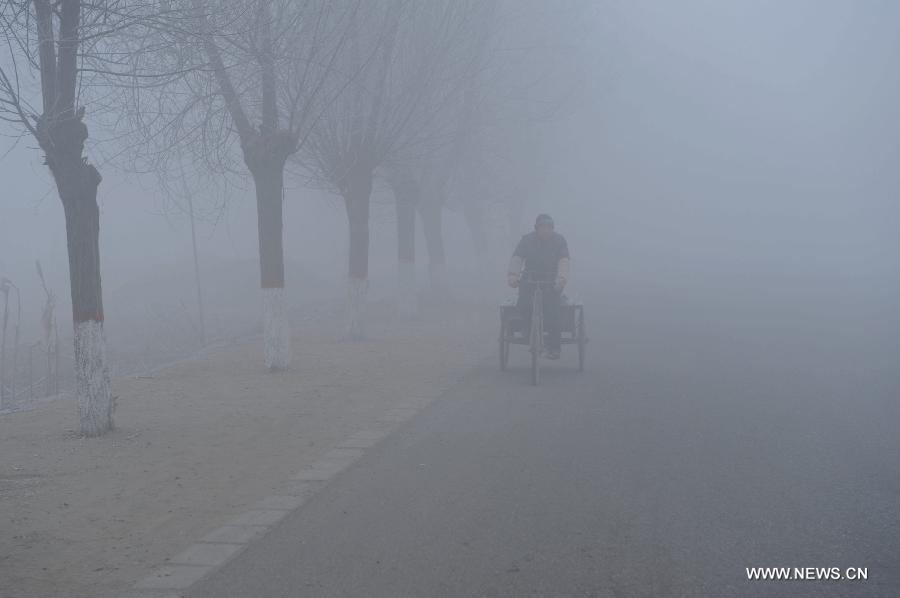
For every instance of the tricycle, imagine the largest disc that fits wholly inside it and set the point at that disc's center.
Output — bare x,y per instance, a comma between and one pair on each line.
514,328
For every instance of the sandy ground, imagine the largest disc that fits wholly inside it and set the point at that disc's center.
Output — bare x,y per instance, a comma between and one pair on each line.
198,442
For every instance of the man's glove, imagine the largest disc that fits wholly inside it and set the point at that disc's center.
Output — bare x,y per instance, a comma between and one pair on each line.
514,270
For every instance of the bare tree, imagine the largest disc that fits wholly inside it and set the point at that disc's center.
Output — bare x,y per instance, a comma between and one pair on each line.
528,72
463,126
407,192
71,48
257,77
410,71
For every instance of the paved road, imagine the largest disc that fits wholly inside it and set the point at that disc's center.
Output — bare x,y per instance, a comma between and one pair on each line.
684,455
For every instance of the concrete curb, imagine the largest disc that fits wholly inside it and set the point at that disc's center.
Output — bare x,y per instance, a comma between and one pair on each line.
224,543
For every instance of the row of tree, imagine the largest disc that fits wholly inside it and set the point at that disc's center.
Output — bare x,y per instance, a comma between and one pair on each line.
337,93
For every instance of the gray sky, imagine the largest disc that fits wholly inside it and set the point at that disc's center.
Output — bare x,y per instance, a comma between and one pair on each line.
768,128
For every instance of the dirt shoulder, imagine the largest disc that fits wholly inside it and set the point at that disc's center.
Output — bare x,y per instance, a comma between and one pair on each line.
198,442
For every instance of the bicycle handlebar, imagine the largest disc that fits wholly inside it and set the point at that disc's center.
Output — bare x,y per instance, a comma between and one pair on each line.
531,278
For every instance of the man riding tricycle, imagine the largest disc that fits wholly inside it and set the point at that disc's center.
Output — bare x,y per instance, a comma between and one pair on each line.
542,317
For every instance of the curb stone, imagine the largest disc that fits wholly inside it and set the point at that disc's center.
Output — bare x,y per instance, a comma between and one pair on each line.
224,543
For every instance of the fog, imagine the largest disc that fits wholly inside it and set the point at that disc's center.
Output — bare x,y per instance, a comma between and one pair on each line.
725,173
748,144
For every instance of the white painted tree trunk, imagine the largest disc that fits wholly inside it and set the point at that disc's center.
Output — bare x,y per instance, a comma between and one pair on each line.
407,298
95,402
276,330
357,289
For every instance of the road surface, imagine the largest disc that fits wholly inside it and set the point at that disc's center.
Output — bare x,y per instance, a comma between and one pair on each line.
688,452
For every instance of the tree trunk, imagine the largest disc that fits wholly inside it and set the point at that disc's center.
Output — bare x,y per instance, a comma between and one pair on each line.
77,184
405,195
269,181
431,212
356,199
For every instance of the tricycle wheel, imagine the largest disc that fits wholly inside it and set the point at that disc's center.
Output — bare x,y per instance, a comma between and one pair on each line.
504,348
537,337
